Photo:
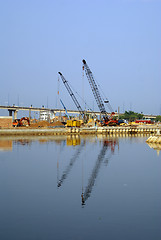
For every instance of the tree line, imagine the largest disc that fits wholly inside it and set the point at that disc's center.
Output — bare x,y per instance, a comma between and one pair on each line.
132,116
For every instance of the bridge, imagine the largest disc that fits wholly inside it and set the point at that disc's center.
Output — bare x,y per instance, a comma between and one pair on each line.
14,110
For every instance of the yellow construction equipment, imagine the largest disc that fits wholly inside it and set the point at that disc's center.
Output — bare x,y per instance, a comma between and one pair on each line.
73,123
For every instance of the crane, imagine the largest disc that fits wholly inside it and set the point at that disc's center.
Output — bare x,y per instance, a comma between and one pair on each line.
71,94
97,94
64,108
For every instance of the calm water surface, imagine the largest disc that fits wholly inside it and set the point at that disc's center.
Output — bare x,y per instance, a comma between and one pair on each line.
79,188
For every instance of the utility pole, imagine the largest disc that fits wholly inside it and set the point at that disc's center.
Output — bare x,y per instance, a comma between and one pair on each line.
8,99
118,112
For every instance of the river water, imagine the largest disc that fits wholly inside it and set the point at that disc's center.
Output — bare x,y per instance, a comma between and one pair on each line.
79,188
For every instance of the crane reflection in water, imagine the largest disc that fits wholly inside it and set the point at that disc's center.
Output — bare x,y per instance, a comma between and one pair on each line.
91,182
108,144
71,163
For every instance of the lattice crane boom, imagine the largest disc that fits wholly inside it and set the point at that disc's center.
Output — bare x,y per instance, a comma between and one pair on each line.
94,88
71,94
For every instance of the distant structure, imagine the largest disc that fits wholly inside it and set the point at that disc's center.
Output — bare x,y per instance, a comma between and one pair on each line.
46,115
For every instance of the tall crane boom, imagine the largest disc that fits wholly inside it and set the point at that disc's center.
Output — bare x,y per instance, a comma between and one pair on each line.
94,88
71,94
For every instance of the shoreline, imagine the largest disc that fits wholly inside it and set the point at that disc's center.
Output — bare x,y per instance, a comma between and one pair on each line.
81,131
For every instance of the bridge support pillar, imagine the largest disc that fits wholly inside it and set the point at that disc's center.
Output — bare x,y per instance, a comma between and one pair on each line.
15,114
10,113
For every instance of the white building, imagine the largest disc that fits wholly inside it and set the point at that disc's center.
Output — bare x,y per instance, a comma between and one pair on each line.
46,115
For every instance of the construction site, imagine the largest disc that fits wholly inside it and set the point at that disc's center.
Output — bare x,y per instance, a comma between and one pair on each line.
80,121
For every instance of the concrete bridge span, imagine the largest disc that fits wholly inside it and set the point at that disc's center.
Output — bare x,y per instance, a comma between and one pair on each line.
14,110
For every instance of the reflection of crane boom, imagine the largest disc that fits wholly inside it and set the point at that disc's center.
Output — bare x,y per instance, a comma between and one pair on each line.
69,167
94,174
71,94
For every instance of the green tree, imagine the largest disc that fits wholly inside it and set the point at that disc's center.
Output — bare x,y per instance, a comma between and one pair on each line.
131,116
158,118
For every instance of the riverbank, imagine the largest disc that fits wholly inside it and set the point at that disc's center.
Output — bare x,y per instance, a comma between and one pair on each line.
82,131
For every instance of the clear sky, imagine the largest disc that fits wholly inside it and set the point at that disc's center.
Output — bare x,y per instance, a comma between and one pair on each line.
119,39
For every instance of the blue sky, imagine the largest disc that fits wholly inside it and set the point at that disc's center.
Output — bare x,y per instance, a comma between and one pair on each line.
119,39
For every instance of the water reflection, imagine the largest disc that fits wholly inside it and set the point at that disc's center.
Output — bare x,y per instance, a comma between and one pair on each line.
155,146
5,145
105,183
107,144
75,141
71,163
23,142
